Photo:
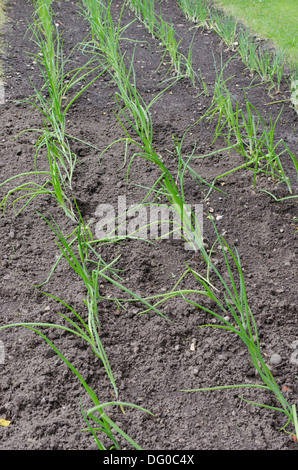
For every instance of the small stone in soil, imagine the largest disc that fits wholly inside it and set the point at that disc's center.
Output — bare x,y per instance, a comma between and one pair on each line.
275,359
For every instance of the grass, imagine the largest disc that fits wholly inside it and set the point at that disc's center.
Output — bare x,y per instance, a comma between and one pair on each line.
255,140
261,17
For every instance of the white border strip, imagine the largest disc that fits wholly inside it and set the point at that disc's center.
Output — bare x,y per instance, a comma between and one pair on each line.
2,92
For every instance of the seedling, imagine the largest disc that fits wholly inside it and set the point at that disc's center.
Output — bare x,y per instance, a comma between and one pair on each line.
237,317
225,26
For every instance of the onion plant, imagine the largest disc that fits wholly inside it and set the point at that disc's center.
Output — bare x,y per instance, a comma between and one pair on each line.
254,138
87,255
222,103
294,92
58,83
168,185
278,68
137,115
233,314
53,100
225,26
31,189
167,182
105,43
106,33
263,64
99,422
268,65
166,34
247,48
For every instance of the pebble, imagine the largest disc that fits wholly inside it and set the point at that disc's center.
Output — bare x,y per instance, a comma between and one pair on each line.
275,359
194,370
219,217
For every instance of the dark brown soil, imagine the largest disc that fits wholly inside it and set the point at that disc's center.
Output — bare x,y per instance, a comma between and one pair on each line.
150,356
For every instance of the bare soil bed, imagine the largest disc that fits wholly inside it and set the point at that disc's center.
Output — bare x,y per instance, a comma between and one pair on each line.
151,357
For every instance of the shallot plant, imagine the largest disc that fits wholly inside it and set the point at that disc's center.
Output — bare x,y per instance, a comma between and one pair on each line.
234,315
198,12
137,115
53,100
166,34
254,138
